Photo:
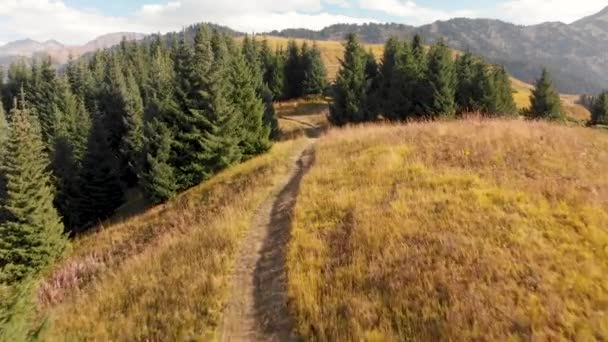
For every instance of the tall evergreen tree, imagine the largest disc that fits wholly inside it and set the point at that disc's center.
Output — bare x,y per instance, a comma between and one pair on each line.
101,191
505,104
17,77
32,231
42,94
249,106
441,78
274,70
350,90
392,49
467,96
404,82
546,103
293,71
315,74
133,140
72,128
4,131
599,112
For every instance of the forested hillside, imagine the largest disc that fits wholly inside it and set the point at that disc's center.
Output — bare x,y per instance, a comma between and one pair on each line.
574,53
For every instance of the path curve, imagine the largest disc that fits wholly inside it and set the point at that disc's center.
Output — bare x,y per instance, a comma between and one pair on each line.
257,309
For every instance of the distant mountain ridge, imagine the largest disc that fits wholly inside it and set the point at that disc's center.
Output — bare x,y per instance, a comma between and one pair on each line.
60,53
576,54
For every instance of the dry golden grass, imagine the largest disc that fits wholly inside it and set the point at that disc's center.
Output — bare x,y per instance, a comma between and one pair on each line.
468,230
302,117
163,275
331,51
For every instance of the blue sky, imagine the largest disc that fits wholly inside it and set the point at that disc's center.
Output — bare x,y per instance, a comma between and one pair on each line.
77,21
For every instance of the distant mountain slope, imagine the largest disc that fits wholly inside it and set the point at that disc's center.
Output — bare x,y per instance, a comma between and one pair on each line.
59,52
576,53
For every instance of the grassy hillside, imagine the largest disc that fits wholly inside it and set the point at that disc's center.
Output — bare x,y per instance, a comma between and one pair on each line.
331,51
491,230
162,275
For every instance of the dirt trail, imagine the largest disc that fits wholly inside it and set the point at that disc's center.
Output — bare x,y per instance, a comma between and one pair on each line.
257,310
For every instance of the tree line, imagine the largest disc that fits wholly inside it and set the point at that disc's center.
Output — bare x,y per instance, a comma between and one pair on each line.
415,82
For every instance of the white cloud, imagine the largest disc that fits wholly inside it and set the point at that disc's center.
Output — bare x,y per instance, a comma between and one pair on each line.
411,12
53,19
537,11
47,19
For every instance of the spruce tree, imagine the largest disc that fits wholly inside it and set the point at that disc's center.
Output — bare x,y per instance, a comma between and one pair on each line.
18,77
274,70
505,104
441,78
4,131
350,90
546,102
72,128
133,140
32,231
467,98
315,74
101,191
158,177
373,84
293,71
400,104
392,49
599,112
254,135
158,174
42,94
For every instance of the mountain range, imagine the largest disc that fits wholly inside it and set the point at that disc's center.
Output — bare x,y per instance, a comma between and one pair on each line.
576,54
59,52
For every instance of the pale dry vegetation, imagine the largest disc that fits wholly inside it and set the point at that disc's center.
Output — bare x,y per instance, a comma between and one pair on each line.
302,117
163,275
467,230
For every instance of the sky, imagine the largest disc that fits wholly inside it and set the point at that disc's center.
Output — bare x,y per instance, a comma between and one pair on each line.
75,22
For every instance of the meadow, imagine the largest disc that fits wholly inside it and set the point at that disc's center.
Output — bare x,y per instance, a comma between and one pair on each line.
165,274
464,230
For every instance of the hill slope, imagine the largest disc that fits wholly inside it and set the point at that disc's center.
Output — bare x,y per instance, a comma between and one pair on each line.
453,231
574,53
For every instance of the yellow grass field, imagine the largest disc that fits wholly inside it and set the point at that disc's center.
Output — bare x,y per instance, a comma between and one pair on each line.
163,275
453,231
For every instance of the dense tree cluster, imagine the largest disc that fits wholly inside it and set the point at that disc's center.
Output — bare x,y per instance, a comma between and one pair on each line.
161,115
413,83
599,109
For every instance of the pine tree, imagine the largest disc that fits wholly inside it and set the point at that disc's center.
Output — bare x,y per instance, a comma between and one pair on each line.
293,71
32,232
546,103
599,112
350,90
467,98
392,49
133,140
42,94
18,77
158,176
315,74
101,191
372,86
400,104
4,131
254,135
274,70
505,104
72,128
441,78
